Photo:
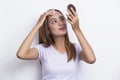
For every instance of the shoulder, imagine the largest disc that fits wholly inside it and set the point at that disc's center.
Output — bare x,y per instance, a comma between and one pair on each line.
40,47
43,50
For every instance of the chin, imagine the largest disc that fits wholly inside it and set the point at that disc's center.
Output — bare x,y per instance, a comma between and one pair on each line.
63,34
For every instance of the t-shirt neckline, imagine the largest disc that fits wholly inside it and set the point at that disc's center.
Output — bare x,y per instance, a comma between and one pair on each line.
57,51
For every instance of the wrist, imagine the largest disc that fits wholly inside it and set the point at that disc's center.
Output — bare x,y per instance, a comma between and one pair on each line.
77,30
38,26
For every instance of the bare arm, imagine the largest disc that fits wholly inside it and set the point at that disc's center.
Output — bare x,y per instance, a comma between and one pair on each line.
87,53
25,52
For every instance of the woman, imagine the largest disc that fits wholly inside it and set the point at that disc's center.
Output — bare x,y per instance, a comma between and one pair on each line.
58,56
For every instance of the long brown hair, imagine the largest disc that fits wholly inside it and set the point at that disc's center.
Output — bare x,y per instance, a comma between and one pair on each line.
46,38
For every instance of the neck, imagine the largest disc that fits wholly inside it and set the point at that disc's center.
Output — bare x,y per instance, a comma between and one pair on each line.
59,42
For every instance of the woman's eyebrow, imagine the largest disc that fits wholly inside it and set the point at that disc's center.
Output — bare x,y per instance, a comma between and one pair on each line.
52,19
61,17
55,18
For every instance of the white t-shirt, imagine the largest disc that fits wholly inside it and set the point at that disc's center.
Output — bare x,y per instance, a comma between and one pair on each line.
55,65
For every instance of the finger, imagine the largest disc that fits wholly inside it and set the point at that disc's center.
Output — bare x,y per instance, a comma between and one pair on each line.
74,12
69,17
69,21
51,12
45,13
70,13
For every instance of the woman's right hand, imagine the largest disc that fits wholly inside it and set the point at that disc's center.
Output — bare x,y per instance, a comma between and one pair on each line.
43,17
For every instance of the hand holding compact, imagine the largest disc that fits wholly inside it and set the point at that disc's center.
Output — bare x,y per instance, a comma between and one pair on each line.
72,16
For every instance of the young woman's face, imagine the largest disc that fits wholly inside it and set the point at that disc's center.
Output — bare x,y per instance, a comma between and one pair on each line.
57,24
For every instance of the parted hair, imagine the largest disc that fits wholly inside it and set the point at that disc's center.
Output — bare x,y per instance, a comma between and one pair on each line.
46,38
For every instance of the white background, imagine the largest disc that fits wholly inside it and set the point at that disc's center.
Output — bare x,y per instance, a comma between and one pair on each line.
99,21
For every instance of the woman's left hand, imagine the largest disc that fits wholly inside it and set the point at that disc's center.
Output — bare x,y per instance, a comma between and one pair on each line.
73,19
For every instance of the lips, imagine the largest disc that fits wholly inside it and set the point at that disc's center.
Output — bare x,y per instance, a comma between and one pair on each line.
62,28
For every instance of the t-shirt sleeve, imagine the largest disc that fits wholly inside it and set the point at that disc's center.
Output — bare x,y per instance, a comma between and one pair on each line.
39,47
78,49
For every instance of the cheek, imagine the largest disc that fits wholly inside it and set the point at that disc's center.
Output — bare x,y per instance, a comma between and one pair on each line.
53,28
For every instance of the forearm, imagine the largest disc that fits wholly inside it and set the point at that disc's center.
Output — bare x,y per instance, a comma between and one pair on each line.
86,48
27,42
